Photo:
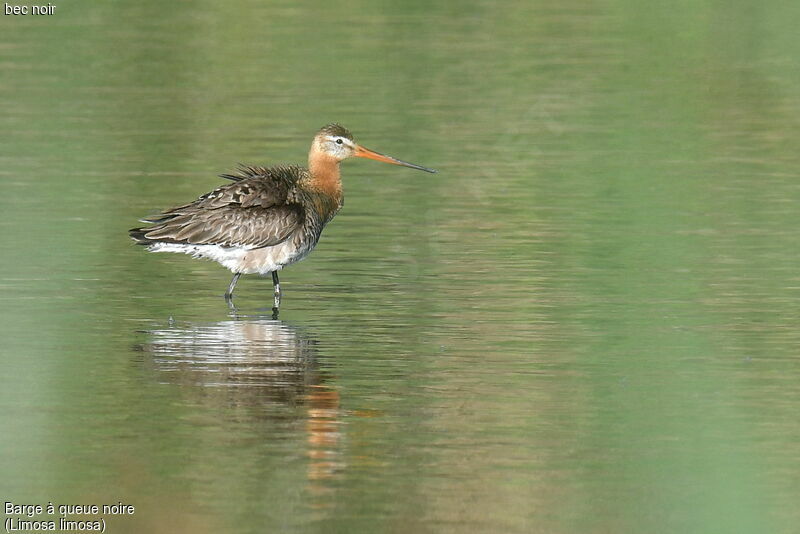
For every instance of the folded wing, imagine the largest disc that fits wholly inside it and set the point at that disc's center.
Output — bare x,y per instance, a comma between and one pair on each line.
254,211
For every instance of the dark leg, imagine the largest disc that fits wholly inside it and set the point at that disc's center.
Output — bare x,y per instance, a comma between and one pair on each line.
277,285
229,292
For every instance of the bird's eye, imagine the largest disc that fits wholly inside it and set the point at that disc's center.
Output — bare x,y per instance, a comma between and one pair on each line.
339,141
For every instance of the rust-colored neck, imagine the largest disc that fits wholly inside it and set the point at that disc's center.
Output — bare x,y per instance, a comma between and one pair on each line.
324,171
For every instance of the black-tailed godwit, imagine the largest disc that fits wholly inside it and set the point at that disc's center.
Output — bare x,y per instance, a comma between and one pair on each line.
267,218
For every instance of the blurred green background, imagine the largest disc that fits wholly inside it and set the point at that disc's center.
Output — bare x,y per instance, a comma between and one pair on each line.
586,322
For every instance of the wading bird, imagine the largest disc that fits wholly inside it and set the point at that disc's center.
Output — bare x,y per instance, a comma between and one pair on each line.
267,218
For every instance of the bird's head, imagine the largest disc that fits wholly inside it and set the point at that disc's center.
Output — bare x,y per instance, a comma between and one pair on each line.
336,142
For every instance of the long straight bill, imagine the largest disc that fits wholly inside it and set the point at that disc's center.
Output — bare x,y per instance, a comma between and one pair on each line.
362,152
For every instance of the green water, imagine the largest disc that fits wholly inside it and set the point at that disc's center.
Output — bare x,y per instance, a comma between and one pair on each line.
586,322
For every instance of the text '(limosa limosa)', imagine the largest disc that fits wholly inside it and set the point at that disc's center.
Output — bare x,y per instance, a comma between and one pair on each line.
267,218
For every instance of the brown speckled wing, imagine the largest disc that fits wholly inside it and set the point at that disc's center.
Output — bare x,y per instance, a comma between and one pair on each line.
254,211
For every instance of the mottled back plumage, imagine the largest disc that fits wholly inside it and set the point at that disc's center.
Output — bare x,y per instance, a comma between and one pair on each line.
260,208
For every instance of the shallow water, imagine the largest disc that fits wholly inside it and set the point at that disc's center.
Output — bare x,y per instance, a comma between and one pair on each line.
586,322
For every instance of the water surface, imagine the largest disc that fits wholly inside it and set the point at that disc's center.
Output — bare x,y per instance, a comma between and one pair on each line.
586,322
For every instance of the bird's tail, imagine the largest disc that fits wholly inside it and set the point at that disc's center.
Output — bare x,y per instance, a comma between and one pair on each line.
138,235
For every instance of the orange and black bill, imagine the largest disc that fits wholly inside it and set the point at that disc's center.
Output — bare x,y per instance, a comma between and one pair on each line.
362,152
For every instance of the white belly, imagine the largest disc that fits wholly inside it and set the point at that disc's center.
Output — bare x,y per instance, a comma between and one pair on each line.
242,259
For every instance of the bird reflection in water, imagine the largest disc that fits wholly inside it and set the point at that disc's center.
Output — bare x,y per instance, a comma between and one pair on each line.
263,365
